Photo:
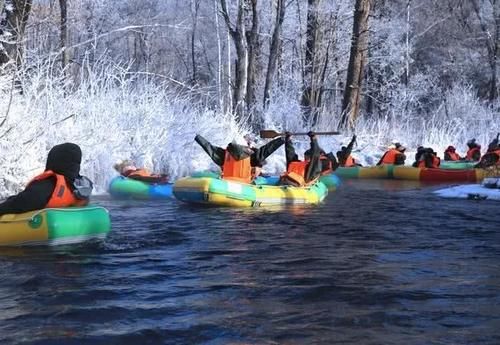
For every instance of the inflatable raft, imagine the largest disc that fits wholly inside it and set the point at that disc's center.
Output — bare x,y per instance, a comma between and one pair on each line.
457,165
489,190
54,226
331,180
399,172
215,191
122,187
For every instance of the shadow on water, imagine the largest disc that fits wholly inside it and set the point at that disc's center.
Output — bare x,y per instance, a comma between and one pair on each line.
379,262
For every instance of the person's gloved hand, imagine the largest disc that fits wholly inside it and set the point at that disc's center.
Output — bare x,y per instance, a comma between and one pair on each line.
288,135
311,134
354,137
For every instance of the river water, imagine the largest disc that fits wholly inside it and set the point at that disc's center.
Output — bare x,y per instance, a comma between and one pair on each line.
377,263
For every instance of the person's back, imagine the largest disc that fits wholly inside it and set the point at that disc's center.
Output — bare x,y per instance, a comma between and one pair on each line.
494,145
305,172
60,185
492,157
450,154
344,156
474,151
395,155
429,159
237,163
240,163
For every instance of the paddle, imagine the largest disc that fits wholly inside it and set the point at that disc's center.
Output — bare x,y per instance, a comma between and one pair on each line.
270,134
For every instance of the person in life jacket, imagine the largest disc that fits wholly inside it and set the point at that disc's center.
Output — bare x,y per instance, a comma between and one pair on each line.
60,185
395,155
306,172
427,159
418,155
128,169
492,157
474,152
450,154
240,162
344,156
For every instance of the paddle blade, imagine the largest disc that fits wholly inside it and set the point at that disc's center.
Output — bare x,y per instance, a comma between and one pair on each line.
269,134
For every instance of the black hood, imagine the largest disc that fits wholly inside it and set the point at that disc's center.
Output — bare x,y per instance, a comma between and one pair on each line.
65,159
239,152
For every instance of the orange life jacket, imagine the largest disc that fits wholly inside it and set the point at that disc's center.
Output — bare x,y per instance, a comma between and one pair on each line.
62,195
453,156
350,162
234,170
471,152
137,172
435,163
390,156
296,172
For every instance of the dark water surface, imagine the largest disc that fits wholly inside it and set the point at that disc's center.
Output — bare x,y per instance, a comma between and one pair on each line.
377,263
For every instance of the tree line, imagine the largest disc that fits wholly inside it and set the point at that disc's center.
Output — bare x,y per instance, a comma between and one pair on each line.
336,59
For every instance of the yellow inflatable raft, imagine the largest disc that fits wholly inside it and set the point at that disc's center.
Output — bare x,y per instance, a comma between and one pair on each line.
53,226
215,191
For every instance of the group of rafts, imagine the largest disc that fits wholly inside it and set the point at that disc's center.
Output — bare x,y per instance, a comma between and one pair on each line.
76,224
211,188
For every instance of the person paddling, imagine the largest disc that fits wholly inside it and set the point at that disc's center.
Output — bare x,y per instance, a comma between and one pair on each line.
241,163
344,156
60,185
128,169
395,155
300,173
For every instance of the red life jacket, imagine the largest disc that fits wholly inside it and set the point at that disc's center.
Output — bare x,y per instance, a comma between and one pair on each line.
435,163
390,156
297,173
471,153
453,156
240,171
349,162
62,195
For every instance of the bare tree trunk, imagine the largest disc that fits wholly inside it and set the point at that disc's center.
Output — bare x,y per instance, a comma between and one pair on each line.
195,6
253,49
495,49
407,45
274,49
16,23
63,6
357,61
239,36
491,43
219,57
309,93
3,55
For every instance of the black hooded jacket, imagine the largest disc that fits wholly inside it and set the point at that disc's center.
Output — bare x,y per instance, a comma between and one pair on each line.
345,152
313,168
239,152
63,159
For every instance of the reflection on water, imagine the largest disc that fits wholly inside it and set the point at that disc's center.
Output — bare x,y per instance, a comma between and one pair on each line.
379,262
